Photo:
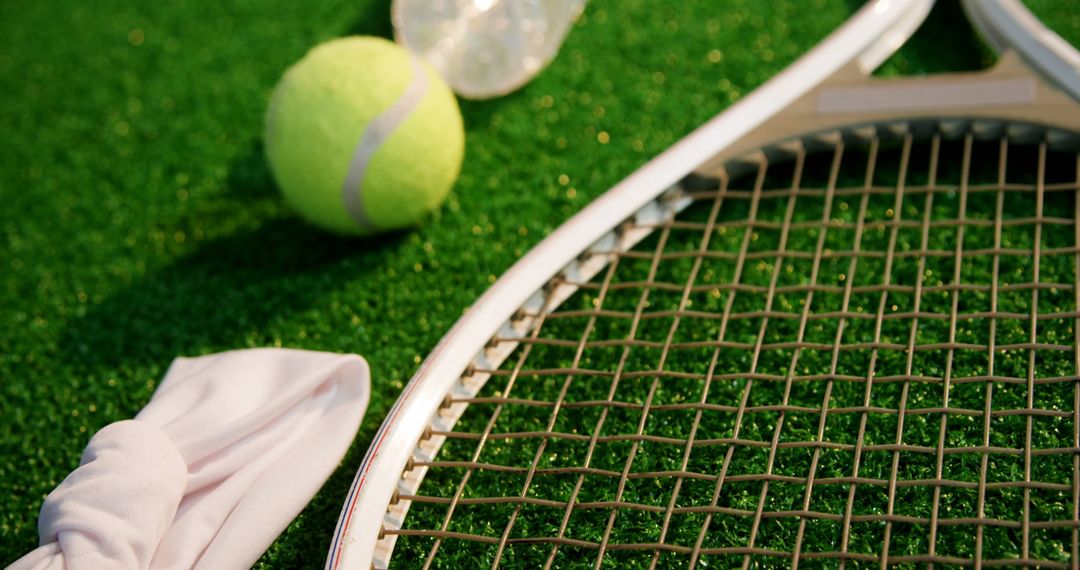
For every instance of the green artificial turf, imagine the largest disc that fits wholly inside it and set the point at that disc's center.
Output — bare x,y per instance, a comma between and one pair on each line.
1062,17
140,222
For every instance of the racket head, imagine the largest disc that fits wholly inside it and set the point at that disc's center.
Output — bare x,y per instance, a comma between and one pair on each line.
500,324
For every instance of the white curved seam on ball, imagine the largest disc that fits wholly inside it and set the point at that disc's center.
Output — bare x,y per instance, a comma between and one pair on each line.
376,133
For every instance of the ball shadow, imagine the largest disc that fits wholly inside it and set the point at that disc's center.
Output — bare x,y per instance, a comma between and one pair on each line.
225,293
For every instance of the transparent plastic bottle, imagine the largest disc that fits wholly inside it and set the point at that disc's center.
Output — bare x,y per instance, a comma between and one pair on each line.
485,48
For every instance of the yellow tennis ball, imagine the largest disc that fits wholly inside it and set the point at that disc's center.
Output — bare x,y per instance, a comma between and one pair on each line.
363,137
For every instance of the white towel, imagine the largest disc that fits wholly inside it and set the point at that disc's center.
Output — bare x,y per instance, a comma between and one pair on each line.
228,451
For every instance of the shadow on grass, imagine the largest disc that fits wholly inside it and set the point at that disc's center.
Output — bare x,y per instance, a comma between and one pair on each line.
224,294
374,21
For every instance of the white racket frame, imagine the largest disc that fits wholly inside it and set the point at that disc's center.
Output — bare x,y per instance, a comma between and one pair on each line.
1007,24
842,61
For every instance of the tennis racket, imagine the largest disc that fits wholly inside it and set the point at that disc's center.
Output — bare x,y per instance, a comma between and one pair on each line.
836,325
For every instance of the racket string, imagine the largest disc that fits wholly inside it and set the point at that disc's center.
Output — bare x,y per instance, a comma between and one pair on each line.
468,472
1036,259
623,477
893,311
770,298
1075,552
556,408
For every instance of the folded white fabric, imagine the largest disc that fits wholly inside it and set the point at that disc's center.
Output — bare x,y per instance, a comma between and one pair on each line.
228,451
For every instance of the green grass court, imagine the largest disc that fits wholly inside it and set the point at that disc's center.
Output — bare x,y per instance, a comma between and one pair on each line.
140,222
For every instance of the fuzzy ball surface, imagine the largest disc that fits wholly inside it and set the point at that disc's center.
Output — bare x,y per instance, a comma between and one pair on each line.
363,137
